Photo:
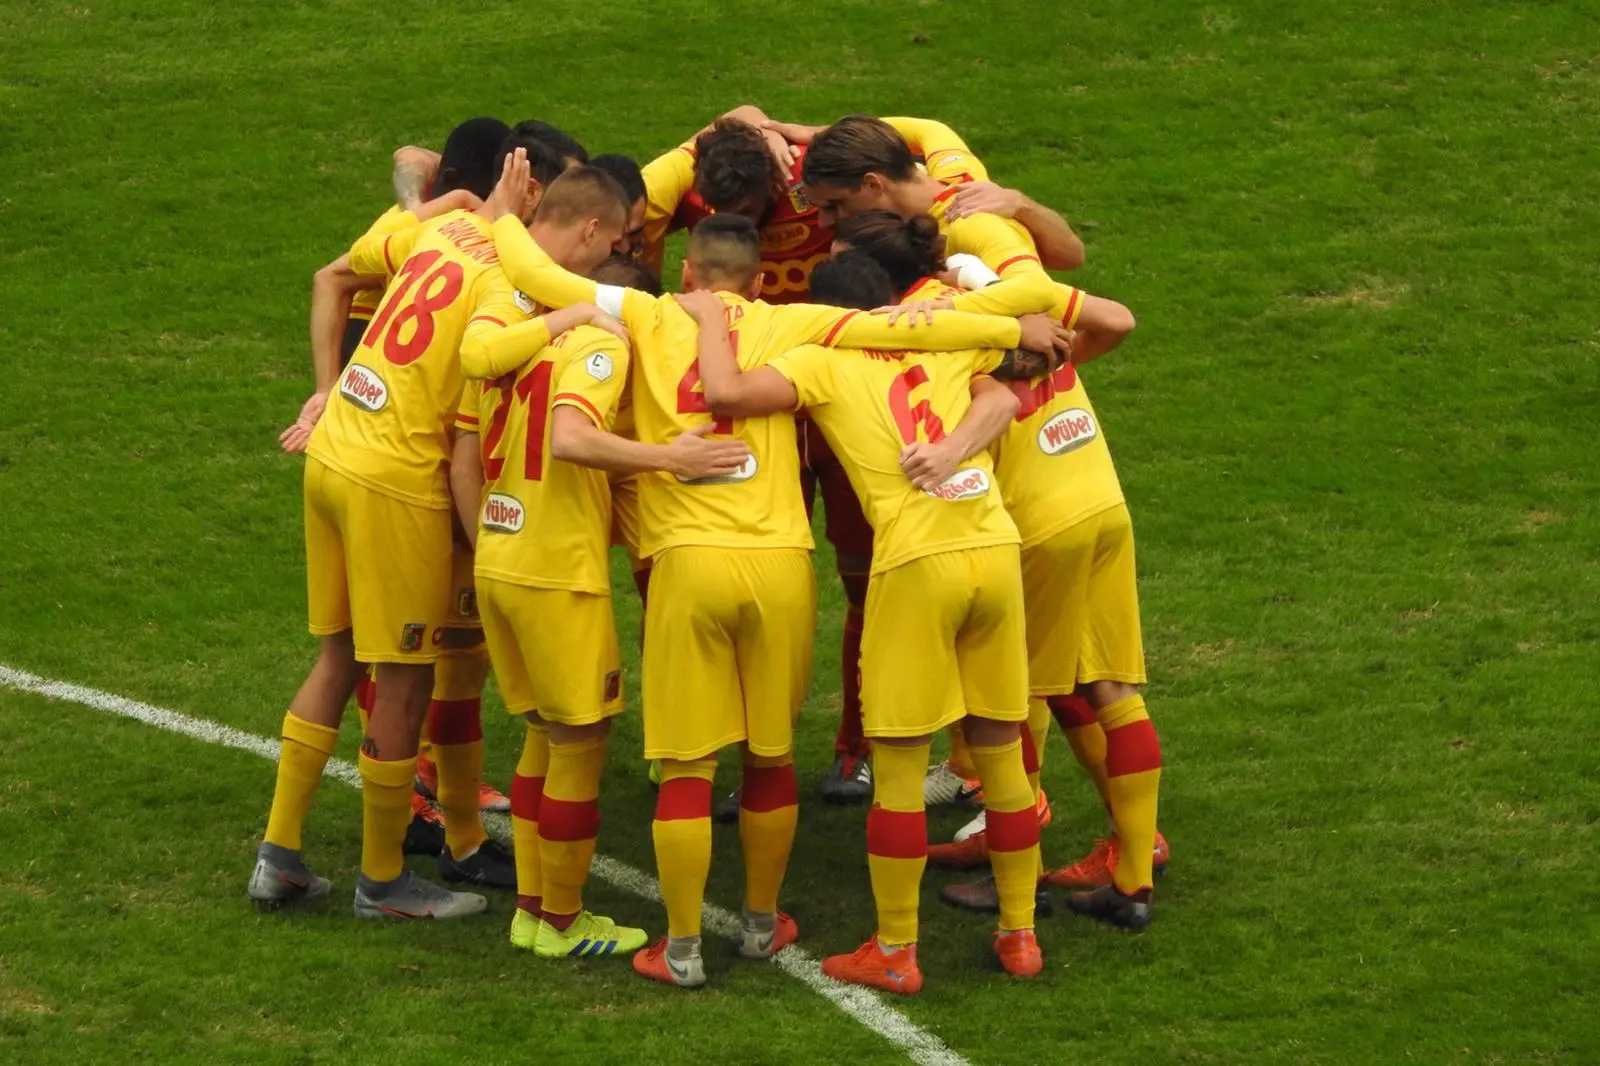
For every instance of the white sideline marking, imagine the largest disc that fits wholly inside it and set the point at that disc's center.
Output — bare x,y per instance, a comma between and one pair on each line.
862,1004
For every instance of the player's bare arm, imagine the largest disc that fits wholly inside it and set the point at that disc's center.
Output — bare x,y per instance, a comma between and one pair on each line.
466,482
1059,247
414,170
1102,325
728,390
332,288
993,408
574,438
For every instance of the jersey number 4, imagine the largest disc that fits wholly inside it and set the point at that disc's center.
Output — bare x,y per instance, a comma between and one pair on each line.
692,400
438,291
532,389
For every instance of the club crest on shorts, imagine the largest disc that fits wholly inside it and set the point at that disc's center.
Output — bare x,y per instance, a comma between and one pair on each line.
1067,431
524,302
363,387
503,514
411,635
613,685
467,602
746,471
962,485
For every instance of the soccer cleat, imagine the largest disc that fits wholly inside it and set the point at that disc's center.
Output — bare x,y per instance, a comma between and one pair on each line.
870,965
850,780
426,783
971,845
425,834
589,934
1018,951
492,799
1094,869
489,866
943,785
653,775
654,962
525,928
409,896
983,897
757,942
726,809
1106,904
282,878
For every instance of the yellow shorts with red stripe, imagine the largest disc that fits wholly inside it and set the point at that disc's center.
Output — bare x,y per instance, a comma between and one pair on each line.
727,649
944,639
1082,596
375,565
553,650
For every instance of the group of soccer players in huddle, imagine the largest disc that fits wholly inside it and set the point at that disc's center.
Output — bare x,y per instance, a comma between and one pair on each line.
503,393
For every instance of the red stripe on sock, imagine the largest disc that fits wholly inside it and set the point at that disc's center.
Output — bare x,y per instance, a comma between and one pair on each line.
1071,712
532,904
527,796
1030,753
568,820
767,788
1132,749
455,721
897,834
1013,830
683,798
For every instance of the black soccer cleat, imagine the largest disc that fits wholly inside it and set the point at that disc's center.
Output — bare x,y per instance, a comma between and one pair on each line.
982,897
849,781
490,866
1106,904
726,809
425,834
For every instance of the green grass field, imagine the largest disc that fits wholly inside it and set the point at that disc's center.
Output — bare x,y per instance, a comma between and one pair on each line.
1357,428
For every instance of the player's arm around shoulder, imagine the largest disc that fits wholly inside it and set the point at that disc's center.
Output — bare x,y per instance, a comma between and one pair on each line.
1100,324
728,390
994,405
1024,287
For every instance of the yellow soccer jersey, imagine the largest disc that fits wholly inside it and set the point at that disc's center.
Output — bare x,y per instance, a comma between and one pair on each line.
364,304
870,404
388,428
1054,465
543,522
667,180
1007,248
759,505
945,155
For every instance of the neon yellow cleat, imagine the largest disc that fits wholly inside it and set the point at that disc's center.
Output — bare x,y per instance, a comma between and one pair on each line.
588,935
525,930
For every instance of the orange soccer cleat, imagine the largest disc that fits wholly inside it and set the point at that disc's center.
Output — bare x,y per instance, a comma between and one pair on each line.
1018,951
492,799
970,848
1094,869
656,963
869,965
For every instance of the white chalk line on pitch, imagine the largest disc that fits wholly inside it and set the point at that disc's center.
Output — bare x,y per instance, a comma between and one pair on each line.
864,1005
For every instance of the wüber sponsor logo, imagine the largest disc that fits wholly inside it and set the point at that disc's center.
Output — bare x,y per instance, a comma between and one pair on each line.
962,485
746,471
1067,431
363,387
503,514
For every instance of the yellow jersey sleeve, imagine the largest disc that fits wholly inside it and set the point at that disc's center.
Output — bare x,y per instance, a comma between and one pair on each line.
468,419
594,376
365,302
667,180
380,251
810,370
542,279
1069,302
945,155
949,331
1023,288
500,335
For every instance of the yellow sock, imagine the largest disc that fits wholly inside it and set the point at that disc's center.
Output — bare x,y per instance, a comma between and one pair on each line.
960,755
527,795
301,759
1077,720
768,814
455,725
682,834
1133,777
569,820
385,813
1013,827
1038,732
897,839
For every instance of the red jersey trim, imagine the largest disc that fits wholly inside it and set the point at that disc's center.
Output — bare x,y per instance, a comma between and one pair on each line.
833,334
467,420
578,401
386,260
487,318
1073,303
949,191
1001,269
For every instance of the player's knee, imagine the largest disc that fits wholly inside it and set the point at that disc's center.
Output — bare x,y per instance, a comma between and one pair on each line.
989,732
903,742
404,688
1102,694
754,761
461,639
561,733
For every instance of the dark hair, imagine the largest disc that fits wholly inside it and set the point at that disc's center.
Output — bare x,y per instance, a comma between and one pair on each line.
626,172
544,162
582,193
909,249
854,147
562,144
468,159
852,279
629,273
731,163
726,248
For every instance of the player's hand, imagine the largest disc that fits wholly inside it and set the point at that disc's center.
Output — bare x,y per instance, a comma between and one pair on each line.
915,311
693,457
297,436
928,465
792,132
984,197
702,305
510,196
782,151
1041,333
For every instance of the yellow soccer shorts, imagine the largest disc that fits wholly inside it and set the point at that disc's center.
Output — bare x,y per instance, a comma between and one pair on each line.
944,639
1082,595
461,619
375,565
625,519
553,650
727,649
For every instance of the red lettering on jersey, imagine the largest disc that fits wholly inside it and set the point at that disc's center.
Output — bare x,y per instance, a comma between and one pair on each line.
1035,394
472,243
